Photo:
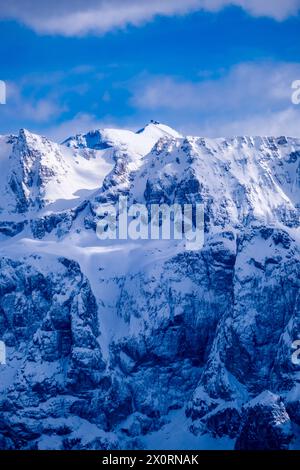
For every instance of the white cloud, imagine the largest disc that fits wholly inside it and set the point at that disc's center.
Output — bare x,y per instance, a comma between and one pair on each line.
39,100
80,124
247,85
81,17
250,99
276,123
34,109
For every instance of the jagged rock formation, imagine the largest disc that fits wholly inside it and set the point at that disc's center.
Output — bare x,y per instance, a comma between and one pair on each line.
265,425
109,344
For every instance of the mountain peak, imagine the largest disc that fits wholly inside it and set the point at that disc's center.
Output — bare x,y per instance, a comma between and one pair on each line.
155,127
27,138
25,135
94,139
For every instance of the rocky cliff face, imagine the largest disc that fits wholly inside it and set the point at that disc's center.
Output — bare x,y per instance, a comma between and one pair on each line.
109,345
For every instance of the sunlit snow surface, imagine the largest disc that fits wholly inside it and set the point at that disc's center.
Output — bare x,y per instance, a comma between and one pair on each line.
166,329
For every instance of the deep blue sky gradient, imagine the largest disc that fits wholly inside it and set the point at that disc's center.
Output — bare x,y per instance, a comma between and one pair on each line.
94,75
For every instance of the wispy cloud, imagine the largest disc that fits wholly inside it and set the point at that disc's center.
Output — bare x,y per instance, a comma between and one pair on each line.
81,17
37,101
32,108
272,123
252,98
245,86
81,123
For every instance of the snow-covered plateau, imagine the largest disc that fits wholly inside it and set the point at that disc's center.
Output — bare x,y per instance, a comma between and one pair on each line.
135,344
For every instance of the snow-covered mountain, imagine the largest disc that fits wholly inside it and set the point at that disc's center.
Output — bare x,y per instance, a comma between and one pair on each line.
142,344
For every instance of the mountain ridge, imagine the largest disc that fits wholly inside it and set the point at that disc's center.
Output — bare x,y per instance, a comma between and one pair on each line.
115,344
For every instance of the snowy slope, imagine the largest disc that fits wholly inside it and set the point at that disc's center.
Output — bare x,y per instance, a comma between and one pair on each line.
39,173
131,344
140,142
237,179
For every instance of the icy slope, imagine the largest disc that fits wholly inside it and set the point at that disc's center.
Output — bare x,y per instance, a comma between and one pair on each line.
39,174
40,177
116,344
238,179
139,143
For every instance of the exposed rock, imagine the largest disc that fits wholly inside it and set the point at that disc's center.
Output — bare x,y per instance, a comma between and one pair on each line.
109,343
265,425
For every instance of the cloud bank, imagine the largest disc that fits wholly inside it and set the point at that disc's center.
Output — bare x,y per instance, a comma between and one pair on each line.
81,17
251,99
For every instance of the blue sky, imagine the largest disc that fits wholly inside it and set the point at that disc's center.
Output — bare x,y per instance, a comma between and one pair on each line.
217,70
